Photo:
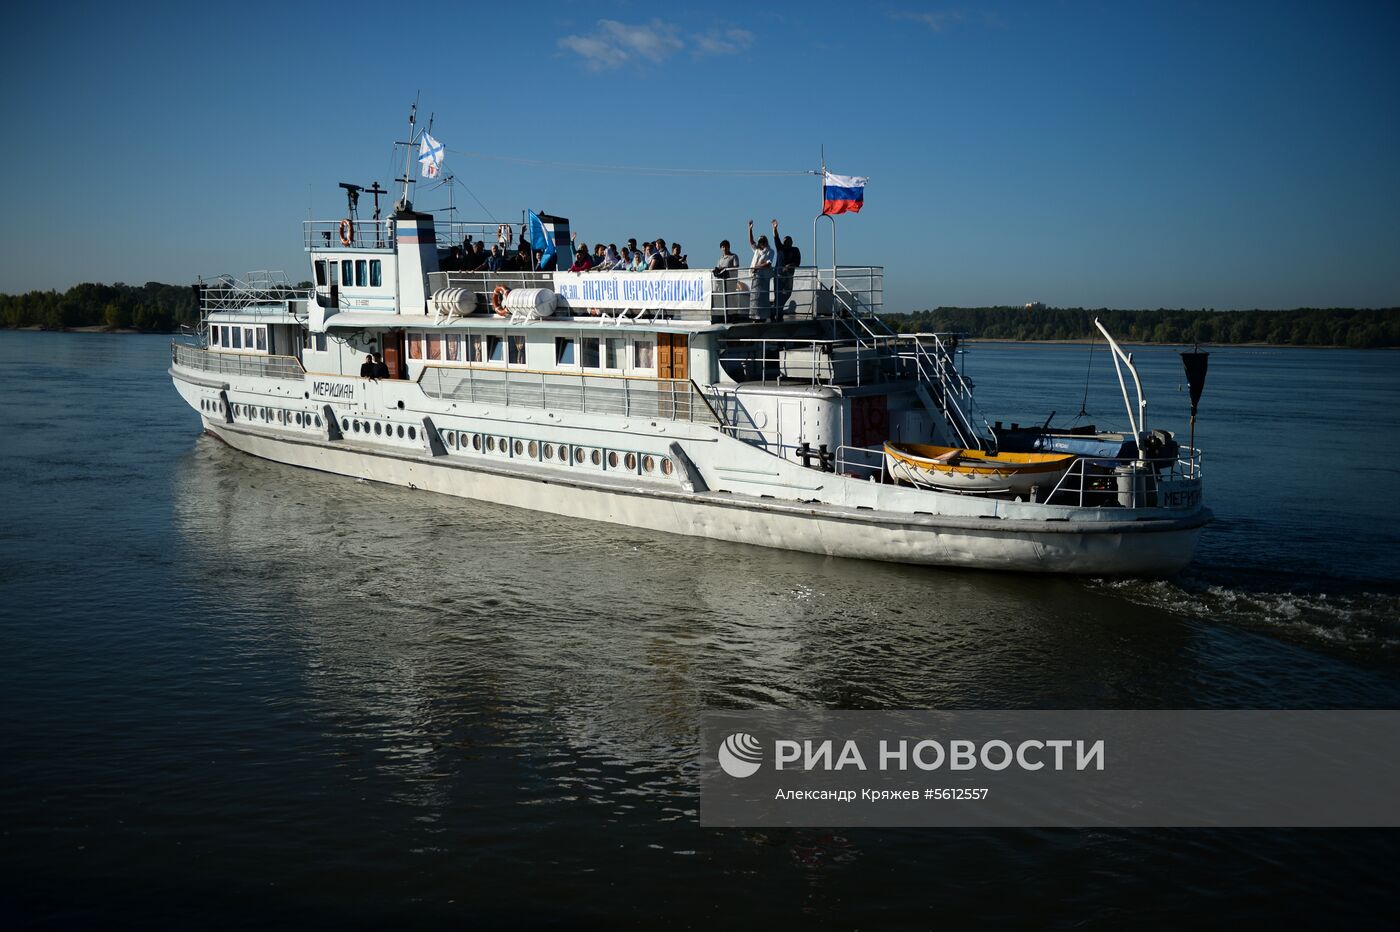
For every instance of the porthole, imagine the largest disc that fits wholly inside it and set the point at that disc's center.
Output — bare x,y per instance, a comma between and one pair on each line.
451,438
534,450
549,451
666,466
612,460
503,444
345,424
563,453
490,444
299,420
357,427
317,418
597,458
400,433
579,455
648,464
221,407
631,462
519,447
413,433
476,441
364,426
377,429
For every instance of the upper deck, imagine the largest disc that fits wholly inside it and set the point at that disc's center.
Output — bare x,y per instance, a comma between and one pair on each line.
697,295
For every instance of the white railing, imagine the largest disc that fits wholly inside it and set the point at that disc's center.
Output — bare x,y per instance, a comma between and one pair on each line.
1128,482
379,234
244,364
734,298
260,292
669,399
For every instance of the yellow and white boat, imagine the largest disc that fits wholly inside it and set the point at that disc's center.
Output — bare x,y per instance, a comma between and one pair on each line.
974,471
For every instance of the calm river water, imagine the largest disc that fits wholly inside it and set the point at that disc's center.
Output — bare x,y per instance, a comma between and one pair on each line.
236,692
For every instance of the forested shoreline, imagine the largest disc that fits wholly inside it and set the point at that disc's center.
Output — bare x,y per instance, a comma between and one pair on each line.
161,308
1360,329
151,308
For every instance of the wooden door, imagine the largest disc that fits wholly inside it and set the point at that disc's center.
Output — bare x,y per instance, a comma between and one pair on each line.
394,354
672,356
673,375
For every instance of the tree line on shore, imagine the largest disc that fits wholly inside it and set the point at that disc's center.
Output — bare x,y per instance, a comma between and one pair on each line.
153,307
1335,326
160,308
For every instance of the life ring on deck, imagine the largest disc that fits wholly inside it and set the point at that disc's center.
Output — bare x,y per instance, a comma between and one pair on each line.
347,232
498,301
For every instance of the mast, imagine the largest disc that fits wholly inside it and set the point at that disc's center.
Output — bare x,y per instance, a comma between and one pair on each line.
404,203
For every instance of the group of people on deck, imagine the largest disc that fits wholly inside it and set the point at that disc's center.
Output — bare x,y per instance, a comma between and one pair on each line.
766,293
651,256
772,268
771,271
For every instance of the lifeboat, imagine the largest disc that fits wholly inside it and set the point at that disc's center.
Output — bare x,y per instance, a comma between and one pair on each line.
974,471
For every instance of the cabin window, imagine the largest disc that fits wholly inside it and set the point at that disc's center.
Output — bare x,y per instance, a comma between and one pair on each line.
472,347
434,346
517,351
237,338
321,272
451,346
214,335
347,274
565,351
361,273
261,334
644,353
335,271
589,352
495,349
376,274
415,346
614,353
248,337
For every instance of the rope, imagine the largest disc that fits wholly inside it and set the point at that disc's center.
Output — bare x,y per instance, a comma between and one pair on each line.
1083,405
625,169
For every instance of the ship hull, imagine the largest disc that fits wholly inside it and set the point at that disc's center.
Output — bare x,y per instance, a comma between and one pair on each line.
1127,548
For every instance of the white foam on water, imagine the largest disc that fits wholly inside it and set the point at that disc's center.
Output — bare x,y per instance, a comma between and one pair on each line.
1364,620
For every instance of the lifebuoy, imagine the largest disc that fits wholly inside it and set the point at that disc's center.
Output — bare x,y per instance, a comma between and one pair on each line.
347,232
498,300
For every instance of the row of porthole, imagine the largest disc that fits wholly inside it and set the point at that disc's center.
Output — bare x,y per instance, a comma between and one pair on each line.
267,415
563,453
378,428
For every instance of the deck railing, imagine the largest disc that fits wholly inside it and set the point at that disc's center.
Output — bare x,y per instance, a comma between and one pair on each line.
244,364
734,298
669,399
379,234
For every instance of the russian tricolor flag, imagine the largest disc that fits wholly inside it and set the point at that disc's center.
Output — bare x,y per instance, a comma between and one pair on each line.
842,193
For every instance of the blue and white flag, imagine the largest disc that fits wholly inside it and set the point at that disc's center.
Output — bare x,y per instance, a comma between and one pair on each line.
430,153
540,238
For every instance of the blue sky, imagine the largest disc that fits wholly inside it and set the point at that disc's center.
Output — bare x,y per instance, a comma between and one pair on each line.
1098,154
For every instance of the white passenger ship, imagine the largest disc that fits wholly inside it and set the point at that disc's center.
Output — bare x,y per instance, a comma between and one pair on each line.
652,400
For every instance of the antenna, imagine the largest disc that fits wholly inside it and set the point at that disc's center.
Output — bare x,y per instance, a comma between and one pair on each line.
404,202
